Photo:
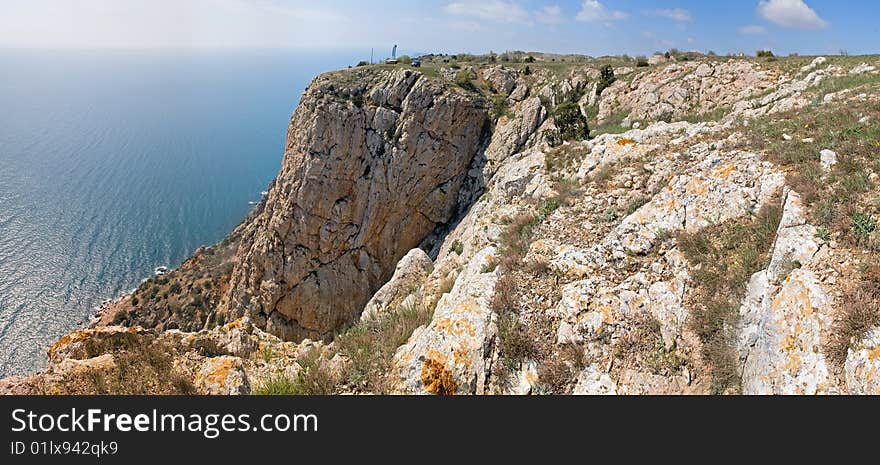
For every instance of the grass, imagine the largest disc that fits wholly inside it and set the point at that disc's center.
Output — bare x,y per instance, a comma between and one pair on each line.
314,378
143,366
370,346
643,346
611,125
853,320
557,372
564,158
514,341
838,201
723,259
849,81
712,115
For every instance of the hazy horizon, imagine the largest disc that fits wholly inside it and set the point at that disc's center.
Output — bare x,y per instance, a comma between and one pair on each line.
588,27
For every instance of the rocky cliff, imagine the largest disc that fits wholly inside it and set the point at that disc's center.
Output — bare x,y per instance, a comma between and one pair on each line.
374,165
442,232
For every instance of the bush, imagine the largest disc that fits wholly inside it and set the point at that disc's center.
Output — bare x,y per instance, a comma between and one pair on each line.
606,79
457,247
642,62
863,225
362,63
527,71
499,105
572,124
135,301
464,79
553,137
765,54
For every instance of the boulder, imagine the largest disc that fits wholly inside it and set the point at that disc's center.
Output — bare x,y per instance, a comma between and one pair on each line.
408,277
452,354
222,376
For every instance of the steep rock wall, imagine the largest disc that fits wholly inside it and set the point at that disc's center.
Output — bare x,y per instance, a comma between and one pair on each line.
372,166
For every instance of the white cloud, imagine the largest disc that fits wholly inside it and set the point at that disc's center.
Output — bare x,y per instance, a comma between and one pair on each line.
791,13
752,29
593,10
549,15
675,14
490,10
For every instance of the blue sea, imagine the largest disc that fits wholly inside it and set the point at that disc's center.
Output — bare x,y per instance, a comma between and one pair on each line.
114,163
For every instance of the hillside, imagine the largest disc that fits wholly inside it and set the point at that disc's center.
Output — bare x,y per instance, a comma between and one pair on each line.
562,226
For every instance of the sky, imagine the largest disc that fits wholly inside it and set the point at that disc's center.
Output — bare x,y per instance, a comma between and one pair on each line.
591,27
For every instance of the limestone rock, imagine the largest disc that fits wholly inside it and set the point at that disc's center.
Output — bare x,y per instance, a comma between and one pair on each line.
361,185
222,376
452,354
862,69
592,382
828,159
863,366
502,80
512,134
408,277
796,242
787,357
782,323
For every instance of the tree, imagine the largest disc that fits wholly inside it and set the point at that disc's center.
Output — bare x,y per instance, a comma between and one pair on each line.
572,124
606,79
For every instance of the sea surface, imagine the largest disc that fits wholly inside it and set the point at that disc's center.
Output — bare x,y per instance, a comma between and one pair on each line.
115,163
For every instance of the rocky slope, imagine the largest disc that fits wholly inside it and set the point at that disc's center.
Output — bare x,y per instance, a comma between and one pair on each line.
718,234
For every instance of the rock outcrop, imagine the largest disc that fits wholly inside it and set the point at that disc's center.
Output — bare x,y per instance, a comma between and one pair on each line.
372,167
452,355
784,314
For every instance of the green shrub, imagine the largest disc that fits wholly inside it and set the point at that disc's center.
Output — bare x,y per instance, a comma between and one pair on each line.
457,247
553,137
278,385
765,54
863,225
465,80
499,105
571,122
606,79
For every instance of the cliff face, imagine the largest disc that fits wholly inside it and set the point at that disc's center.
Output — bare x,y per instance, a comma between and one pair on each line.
731,251
374,163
